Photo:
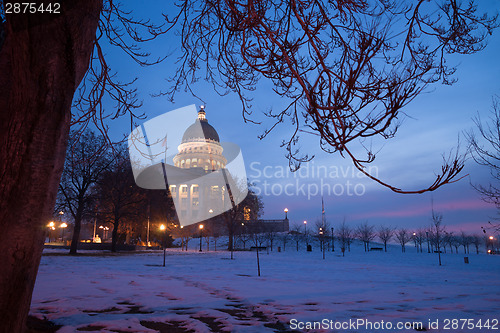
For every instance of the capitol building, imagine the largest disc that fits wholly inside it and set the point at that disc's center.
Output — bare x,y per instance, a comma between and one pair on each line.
201,153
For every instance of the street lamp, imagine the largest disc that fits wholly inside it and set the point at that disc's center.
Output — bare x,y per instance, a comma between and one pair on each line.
51,227
305,232
322,241
286,213
415,240
63,226
164,229
61,213
201,234
104,232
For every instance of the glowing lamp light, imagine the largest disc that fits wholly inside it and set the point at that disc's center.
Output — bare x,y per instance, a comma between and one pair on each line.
305,222
285,210
491,237
162,227
51,224
489,251
201,226
64,225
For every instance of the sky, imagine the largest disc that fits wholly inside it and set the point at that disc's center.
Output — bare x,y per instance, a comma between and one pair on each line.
437,120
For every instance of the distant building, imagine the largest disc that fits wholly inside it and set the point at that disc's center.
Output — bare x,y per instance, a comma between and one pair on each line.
201,152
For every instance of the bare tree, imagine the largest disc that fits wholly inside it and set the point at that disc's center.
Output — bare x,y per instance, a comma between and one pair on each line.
345,71
420,238
120,200
465,241
234,217
476,241
270,236
438,232
244,236
216,233
297,235
87,157
284,236
385,234
43,63
403,237
366,233
345,234
489,155
257,237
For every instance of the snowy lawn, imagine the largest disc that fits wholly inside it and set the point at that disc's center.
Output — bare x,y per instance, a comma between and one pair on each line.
207,292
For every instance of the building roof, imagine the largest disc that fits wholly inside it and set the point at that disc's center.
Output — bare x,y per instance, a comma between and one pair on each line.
200,129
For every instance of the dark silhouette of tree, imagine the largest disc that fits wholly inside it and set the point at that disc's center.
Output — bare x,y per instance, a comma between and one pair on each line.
366,233
476,241
257,237
233,218
345,68
488,155
285,237
403,238
420,239
438,232
385,234
44,59
270,236
345,235
120,200
87,157
297,234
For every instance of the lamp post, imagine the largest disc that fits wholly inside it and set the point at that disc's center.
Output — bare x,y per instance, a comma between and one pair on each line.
286,213
61,213
164,229
322,241
201,234
63,226
305,232
104,232
51,227
415,240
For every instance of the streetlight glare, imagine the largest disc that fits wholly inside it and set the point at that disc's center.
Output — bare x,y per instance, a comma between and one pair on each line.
51,224
286,210
201,226
305,222
64,225
162,227
491,237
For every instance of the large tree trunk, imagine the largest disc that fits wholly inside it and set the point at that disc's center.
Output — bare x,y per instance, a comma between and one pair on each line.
76,231
42,61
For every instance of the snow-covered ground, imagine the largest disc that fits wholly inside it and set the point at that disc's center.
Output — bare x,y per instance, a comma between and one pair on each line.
207,292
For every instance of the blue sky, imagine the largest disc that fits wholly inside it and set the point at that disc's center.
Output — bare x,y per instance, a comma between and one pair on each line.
438,117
